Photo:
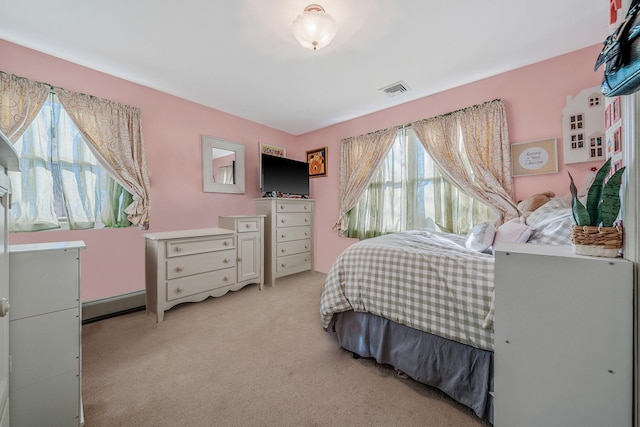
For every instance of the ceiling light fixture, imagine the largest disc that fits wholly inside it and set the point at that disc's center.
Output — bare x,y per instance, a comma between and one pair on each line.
315,28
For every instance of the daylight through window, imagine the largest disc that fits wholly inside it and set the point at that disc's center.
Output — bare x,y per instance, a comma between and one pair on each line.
61,183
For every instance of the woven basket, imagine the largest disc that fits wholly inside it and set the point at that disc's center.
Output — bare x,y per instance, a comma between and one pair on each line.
597,241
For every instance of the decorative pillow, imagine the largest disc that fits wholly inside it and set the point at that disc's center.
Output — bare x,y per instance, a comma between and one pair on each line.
513,231
480,237
551,225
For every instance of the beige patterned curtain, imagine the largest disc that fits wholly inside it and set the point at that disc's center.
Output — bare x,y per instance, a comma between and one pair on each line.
360,157
471,148
20,101
114,133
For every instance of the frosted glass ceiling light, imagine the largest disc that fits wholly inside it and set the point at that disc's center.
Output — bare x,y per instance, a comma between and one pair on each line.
314,29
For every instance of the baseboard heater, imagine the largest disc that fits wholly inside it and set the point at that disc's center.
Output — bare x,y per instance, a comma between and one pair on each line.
114,306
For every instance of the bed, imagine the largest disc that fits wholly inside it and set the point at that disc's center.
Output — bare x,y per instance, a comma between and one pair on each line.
423,302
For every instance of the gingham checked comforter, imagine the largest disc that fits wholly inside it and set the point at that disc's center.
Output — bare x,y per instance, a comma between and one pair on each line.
428,281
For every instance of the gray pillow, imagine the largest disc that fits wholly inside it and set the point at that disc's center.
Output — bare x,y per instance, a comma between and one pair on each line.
480,237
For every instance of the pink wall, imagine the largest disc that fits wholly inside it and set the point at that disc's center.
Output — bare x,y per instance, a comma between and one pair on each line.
113,263
534,96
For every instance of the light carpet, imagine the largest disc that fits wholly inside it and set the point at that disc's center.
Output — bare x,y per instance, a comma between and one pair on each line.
248,358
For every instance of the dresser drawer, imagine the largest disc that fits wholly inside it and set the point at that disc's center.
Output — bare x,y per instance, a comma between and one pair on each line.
293,233
195,246
191,285
291,261
293,219
248,225
200,263
293,207
293,247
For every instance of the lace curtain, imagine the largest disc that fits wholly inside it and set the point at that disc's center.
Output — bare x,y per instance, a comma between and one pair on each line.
360,156
113,132
20,101
408,192
471,147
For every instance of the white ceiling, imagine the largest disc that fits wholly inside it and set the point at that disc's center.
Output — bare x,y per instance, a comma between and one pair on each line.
239,56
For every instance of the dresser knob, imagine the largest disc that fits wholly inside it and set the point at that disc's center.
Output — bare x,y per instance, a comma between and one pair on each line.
179,268
226,261
306,207
4,307
247,225
282,250
281,207
306,220
282,220
178,290
283,265
306,233
226,278
226,243
178,248
306,246
282,235
239,259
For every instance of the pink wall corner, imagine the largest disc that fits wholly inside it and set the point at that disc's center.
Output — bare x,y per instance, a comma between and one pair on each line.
113,262
534,97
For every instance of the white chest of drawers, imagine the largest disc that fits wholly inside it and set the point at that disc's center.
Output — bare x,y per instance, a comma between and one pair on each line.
288,236
563,338
189,266
45,334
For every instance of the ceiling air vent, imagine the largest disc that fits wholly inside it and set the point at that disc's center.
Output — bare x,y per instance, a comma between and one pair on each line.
396,88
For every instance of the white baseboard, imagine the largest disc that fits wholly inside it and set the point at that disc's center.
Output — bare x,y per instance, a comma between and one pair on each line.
108,307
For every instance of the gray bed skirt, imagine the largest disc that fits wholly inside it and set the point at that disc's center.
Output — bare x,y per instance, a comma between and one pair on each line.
463,372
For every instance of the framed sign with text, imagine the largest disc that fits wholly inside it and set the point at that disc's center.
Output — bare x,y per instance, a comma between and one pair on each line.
534,157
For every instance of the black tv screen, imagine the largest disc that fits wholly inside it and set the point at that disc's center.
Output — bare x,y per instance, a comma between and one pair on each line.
284,176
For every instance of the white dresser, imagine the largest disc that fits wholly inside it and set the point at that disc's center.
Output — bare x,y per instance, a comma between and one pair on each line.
8,162
288,236
563,338
45,334
249,241
191,265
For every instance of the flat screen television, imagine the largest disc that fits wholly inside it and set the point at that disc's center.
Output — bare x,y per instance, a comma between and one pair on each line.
285,177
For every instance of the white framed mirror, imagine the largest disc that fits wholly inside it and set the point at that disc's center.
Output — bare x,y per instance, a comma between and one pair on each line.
222,166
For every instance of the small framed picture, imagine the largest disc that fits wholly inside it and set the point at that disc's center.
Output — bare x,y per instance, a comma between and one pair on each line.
317,160
272,150
535,157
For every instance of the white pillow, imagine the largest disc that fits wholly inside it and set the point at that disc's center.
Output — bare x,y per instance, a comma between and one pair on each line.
513,231
480,237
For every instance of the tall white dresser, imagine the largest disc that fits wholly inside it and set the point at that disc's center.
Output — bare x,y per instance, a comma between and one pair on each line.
45,334
563,338
8,162
288,236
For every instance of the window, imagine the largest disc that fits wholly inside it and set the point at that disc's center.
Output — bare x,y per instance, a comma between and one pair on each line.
61,183
577,140
408,192
596,146
576,122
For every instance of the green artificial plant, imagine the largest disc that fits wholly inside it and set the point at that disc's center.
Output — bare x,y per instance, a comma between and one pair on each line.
603,199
